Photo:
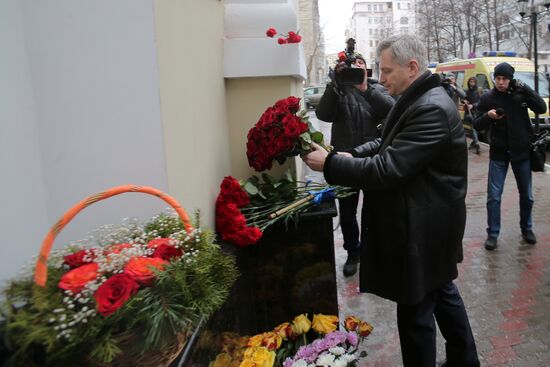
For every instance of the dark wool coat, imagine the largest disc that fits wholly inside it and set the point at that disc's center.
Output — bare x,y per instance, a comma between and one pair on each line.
415,179
354,115
511,135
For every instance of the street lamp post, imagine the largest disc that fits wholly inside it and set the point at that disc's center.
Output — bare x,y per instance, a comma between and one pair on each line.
533,14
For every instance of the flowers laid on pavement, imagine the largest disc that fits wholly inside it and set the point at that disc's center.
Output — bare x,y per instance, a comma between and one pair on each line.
291,37
282,131
137,283
245,209
300,343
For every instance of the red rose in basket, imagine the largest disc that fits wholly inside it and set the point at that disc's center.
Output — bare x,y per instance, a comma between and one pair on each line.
281,132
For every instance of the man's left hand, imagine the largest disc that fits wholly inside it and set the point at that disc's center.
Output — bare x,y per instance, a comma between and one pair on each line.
316,159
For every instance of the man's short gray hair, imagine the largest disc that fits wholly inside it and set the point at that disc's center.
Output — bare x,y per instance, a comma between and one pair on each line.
404,48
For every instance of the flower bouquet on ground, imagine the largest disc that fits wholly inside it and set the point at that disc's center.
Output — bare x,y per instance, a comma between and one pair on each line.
128,295
281,132
245,209
300,343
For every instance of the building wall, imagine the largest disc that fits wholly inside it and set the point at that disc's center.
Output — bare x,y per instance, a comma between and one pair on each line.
23,217
312,40
192,100
88,116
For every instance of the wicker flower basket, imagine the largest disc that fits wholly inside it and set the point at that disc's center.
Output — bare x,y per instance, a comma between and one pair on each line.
173,347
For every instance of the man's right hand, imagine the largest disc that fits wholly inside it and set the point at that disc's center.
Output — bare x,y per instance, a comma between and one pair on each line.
493,115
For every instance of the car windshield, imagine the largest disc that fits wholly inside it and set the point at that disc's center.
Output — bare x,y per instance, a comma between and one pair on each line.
528,78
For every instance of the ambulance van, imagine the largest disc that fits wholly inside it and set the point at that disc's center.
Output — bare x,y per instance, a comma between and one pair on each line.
482,69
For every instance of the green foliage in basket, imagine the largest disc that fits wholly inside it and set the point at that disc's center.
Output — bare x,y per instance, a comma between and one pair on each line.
168,281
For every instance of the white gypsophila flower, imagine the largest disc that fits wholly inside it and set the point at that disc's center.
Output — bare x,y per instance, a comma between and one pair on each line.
325,359
337,351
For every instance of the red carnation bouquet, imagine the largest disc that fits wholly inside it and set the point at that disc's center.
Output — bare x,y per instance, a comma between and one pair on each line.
281,132
245,209
291,37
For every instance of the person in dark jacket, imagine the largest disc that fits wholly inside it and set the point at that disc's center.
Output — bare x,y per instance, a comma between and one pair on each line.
355,121
454,91
470,110
414,178
504,111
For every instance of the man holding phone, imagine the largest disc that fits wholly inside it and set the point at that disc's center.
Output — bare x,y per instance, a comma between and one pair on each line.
504,111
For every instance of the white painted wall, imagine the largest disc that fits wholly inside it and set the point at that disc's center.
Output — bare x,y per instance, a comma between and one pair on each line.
80,113
23,218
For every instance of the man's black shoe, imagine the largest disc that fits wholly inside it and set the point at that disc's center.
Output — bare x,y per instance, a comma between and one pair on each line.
529,237
350,267
490,243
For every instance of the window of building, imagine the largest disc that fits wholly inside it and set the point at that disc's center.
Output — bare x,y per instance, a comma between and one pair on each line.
398,5
370,7
376,42
375,7
404,30
408,5
370,31
370,20
404,20
370,43
388,20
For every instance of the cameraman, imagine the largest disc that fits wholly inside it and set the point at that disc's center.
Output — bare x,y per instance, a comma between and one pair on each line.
504,110
356,113
455,92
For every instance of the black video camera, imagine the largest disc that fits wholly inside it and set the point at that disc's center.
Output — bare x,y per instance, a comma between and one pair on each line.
348,74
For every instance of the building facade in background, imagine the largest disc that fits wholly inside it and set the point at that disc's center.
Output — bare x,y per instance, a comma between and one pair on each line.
470,27
313,41
374,20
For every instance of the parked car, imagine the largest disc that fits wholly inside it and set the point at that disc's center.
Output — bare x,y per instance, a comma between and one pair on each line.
312,96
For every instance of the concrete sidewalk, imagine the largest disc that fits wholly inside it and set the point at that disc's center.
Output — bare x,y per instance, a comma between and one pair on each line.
507,291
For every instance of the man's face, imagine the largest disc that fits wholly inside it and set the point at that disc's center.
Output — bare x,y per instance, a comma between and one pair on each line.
394,77
360,63
452,80
502,83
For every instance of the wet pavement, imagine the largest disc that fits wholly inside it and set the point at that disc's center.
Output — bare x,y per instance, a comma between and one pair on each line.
506,292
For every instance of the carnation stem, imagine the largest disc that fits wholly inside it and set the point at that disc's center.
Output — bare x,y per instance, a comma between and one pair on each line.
291,206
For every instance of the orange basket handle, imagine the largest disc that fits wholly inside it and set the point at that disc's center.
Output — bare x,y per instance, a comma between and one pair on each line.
41,271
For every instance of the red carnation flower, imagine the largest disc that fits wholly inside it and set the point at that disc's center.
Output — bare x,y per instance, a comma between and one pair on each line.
271,32
293,37
231,191
282,41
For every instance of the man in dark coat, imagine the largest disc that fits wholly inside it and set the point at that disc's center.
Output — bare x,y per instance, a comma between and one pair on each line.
415,180
504,111
355,120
